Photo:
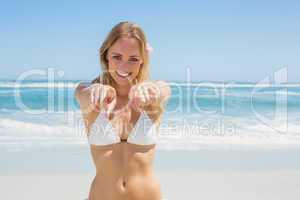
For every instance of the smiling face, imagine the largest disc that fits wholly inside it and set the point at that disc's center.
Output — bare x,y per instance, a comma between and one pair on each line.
124,60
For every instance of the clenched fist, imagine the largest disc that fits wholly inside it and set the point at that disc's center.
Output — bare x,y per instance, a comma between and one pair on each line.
143,94
103,97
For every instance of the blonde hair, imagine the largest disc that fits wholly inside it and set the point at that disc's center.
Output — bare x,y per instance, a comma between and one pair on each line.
123,29
131,30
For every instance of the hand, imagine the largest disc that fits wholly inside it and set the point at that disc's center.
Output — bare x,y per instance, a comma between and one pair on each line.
143,94
103,97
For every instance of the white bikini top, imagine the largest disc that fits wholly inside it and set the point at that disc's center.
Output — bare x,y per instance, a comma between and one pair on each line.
102,131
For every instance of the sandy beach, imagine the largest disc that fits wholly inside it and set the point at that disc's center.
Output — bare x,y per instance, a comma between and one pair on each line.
227,174
176,185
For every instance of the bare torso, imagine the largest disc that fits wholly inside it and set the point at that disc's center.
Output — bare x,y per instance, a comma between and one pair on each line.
124,171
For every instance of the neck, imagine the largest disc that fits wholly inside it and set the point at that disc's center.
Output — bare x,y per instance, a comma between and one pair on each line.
123,90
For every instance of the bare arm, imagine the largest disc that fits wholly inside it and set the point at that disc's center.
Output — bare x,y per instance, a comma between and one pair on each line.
165,91
83,97
90,96
150,89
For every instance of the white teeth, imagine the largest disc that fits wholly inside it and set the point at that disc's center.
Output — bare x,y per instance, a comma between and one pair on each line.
120,73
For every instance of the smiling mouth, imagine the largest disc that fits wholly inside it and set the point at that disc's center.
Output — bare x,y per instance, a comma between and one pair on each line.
123,74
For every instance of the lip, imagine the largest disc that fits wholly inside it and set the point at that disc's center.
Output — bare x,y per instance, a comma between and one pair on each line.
123,74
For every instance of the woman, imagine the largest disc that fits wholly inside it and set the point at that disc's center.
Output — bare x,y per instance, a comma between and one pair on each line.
122,109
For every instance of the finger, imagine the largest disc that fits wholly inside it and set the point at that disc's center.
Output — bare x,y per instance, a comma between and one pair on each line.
92,95
153,94
135,104
110,100
93,99
133,92
111,95
96,96
96,108
103,94
145,96
101,98
151,91
111,106
130,103
141,95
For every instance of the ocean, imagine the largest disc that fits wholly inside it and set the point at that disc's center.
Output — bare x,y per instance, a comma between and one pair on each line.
39,118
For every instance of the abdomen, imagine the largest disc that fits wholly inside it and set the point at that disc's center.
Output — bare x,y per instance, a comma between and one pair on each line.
124,171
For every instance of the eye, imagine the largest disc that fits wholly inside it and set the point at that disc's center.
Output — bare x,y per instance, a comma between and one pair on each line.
116,57
134,60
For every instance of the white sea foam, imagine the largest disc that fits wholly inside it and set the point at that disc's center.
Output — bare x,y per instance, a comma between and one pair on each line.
38,84
20,129
234,85
14,133
73,84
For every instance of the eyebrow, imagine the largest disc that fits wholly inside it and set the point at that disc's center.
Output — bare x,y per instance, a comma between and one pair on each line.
121,54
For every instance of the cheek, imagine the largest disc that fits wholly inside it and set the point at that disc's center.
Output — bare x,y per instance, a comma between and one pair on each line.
137,69
111,65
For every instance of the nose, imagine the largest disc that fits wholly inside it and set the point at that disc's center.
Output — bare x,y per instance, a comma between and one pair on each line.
124,65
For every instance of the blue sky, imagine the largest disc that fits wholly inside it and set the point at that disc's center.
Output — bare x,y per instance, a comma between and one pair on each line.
218,40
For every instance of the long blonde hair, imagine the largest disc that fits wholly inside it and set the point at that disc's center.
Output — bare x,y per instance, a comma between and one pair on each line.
123,29
132,30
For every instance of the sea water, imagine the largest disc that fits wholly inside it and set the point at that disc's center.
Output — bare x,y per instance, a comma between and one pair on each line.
41,121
